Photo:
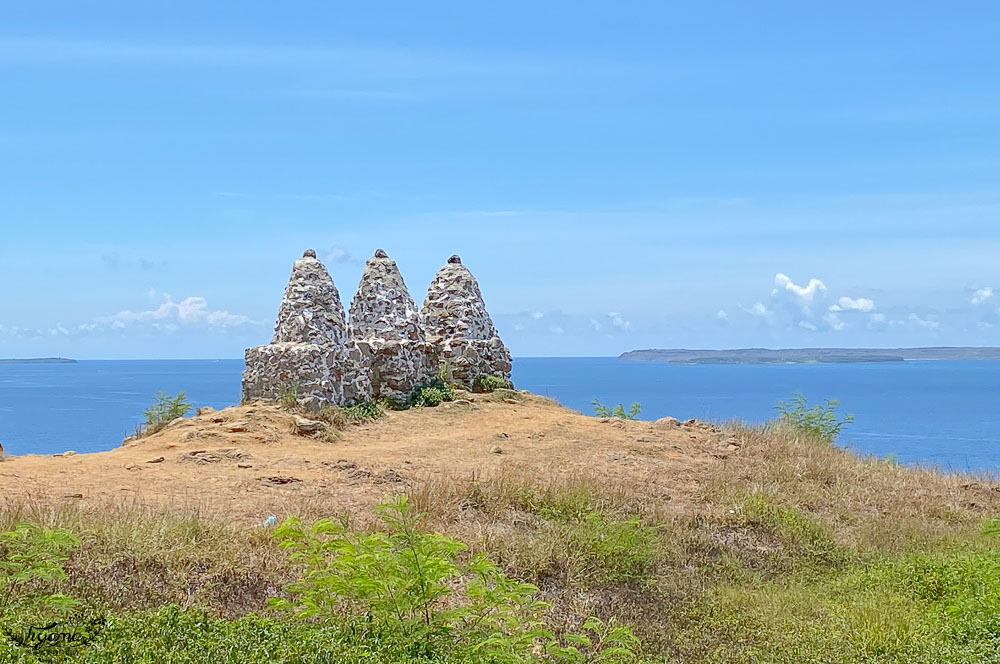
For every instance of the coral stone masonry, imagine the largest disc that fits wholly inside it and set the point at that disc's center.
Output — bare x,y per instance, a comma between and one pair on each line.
459,327
386,349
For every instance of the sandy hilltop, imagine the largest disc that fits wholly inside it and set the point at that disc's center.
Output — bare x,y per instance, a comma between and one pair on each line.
248,461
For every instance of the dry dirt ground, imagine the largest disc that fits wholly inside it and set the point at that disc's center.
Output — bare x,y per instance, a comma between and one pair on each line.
246,462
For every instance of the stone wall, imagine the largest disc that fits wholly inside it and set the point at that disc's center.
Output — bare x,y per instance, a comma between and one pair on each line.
387,349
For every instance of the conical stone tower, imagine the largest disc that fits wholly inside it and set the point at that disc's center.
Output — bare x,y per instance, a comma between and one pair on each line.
310,353
457,324
384,322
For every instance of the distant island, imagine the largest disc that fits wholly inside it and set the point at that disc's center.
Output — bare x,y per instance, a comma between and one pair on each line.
39,360
808,355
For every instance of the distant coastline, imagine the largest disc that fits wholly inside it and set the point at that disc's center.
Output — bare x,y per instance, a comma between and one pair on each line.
808,355
38,360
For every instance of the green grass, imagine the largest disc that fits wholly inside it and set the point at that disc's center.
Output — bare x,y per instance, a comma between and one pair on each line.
789,550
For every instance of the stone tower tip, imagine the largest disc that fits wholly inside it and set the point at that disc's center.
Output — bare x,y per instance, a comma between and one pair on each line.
380,253
309,253
455,258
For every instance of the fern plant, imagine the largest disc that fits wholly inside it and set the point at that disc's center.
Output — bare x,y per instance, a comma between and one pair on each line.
164,410
600,410
819,421
29,554
414,587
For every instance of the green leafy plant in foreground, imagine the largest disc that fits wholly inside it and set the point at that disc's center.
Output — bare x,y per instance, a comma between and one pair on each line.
413,587
29,554
164,410
819,421
600,410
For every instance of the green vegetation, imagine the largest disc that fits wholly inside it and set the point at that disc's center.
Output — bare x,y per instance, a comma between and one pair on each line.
788,550
288,397
164,410
600,410
819,422
409,588
29,555
491,383
363,411
431,394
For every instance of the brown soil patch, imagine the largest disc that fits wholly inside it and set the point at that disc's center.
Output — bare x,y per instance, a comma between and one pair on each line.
246,461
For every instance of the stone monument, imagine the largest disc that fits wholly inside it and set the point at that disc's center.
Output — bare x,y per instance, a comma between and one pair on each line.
310,352
385,322
458,326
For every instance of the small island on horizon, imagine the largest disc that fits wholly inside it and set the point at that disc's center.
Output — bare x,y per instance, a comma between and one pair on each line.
37,360
808,355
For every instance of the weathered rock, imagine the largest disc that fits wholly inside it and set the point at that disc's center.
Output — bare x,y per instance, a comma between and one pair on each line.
667,422
385,323
305,427
457,324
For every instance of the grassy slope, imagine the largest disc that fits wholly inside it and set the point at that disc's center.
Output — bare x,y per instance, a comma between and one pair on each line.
796,552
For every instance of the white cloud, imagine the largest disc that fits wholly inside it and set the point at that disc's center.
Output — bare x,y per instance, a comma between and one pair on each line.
982,295
555,329
924,322
805,293
170,315
862,304
618,322
538,315
805,306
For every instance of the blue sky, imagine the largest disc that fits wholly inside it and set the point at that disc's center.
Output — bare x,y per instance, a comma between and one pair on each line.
617,175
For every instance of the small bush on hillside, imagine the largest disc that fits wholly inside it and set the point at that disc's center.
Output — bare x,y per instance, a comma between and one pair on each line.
334,416
410,586
164,410
363,411
289,396
491,383
600,410
431,394
819,422
29,554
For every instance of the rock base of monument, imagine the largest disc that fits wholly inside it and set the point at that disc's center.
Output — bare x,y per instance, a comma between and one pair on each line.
317,375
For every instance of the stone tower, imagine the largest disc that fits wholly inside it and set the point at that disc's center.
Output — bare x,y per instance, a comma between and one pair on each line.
457,324
310,351
385,323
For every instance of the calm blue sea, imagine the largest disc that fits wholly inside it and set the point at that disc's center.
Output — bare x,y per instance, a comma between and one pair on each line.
939,413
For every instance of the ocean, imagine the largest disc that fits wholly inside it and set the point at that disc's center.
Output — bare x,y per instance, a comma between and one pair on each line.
945,414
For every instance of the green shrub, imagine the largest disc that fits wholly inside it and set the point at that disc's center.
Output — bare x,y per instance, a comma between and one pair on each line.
363,411
819,422
288,397
414,587
28,555
164,410
335,417
431,394
600,410
491,383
